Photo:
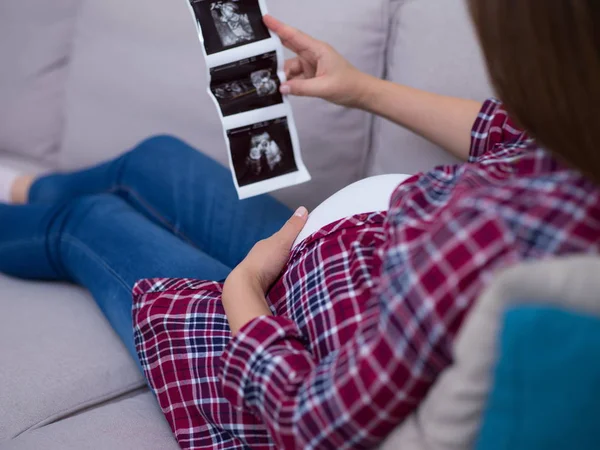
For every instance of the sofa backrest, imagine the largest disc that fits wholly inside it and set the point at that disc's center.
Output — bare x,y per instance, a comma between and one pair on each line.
432,47
35,46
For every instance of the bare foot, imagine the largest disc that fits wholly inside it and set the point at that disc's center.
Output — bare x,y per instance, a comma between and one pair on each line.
19,193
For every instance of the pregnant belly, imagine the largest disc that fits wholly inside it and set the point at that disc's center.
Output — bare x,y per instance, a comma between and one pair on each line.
368,195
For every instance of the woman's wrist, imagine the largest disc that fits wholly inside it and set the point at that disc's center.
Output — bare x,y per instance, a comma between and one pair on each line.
243,300
366,87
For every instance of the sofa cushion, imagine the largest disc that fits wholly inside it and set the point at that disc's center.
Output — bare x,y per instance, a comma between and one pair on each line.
546,384
450,417
138,71
432,47
59,355
133,423
35,44
22,165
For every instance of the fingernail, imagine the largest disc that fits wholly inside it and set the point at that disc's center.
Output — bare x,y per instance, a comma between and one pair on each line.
286,90
301,212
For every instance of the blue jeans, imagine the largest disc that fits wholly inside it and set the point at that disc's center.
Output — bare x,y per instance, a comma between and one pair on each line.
161,210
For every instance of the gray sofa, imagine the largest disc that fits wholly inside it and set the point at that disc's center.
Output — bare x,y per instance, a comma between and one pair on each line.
82,81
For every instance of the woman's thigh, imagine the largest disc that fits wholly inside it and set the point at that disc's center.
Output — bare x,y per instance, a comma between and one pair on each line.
101,243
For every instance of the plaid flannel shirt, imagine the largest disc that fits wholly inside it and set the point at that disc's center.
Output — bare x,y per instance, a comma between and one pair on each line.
367,309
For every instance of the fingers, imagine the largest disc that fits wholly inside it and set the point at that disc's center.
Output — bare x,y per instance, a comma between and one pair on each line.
290,231
304,87
293,68
297,41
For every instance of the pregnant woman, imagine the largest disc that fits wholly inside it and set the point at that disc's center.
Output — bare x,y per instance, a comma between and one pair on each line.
252,336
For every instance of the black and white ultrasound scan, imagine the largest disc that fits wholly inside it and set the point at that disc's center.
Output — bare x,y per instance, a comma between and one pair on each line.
226,24
262,151
245,71
247,85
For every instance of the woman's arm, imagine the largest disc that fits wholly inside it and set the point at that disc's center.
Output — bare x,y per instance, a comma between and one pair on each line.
320,71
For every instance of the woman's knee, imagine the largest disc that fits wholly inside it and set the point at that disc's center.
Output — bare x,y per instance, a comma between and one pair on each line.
163,148
168,154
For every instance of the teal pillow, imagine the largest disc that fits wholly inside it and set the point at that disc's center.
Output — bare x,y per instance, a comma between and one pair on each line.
546,392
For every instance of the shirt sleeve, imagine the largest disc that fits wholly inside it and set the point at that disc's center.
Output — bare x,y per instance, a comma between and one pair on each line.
355,397
492,127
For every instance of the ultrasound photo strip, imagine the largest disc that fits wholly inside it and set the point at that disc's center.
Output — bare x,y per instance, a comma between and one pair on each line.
245,71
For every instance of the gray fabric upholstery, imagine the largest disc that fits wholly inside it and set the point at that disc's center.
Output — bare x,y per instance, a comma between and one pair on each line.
129,424
35,44
147,76
449,419
58,354
432,47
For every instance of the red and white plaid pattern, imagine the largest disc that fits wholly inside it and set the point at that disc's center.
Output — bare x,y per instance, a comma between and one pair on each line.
367,308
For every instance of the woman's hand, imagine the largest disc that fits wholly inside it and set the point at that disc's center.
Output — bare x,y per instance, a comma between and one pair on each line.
245,288
318,70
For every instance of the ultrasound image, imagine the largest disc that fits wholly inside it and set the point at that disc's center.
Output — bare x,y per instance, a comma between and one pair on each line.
229,23
262,151
247,85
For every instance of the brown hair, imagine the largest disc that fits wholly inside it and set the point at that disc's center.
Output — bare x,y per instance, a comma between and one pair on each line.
544,61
